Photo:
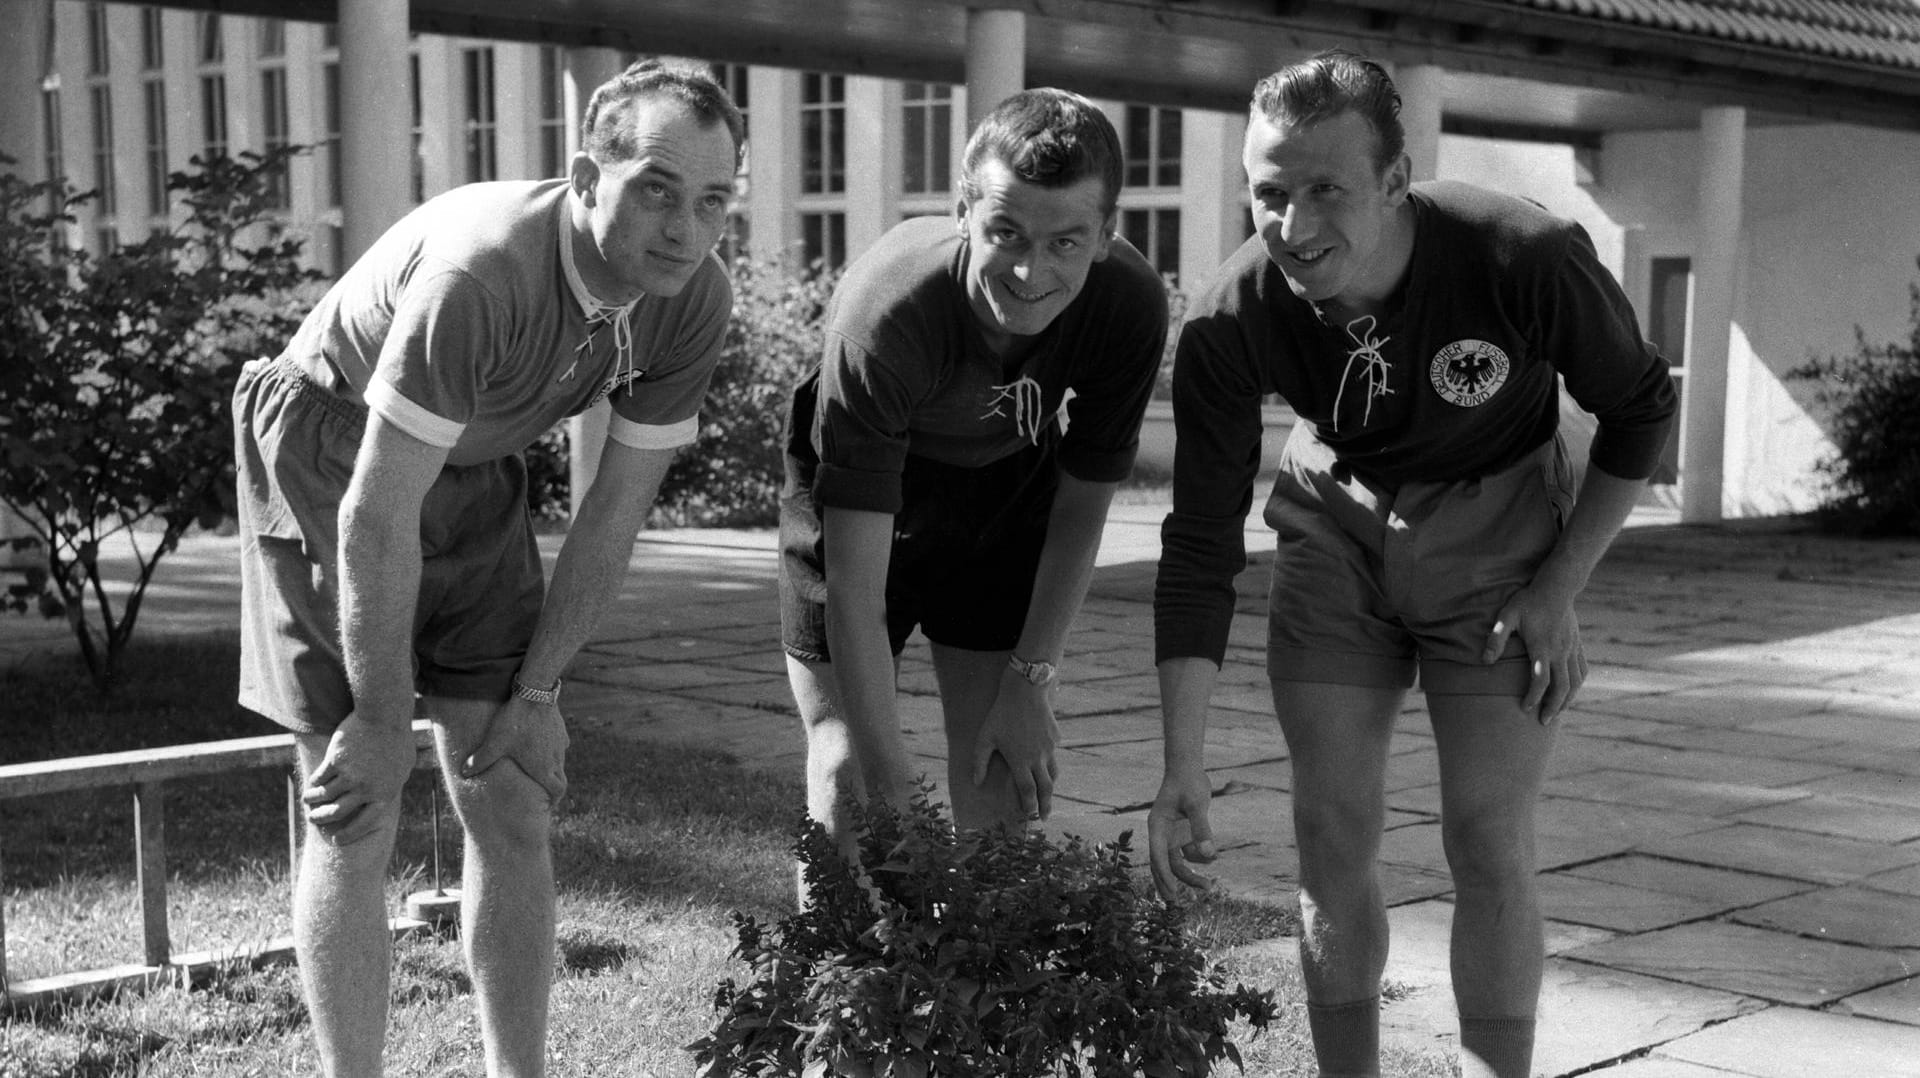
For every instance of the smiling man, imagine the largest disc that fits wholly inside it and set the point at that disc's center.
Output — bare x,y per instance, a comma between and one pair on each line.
388,563
930,482
1428,524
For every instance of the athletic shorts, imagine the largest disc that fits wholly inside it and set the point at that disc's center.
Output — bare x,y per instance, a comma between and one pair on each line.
1371,585
966,545
481,583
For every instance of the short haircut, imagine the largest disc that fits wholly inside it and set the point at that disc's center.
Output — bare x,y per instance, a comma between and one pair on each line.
606,132
1049,138
1333,82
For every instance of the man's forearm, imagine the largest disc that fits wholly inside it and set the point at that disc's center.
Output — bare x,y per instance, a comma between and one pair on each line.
379,575
1065,571
593,559
1598,515
1186,688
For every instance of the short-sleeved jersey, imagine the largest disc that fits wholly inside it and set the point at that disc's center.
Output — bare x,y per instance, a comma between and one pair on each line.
905,369
1460,379
467,326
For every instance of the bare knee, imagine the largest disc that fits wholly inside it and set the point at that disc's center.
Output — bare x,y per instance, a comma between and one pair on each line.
1337,836
1489,851
503,810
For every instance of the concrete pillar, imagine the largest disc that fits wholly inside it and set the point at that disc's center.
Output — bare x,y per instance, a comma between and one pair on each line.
873,160
1421,98
1213,220
376,151
773,160
1703,411
996,60
585,70
23,63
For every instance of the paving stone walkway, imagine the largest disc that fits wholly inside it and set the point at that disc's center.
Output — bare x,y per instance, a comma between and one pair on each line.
1729,842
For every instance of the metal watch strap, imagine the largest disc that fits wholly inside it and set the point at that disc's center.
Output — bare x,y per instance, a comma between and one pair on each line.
536,696
1038,672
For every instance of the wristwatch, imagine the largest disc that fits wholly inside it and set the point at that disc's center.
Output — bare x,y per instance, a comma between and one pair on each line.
1039,672
548,696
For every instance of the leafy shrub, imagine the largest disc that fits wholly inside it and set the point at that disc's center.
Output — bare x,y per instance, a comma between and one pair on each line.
730,476
1876,431
991,954
117,373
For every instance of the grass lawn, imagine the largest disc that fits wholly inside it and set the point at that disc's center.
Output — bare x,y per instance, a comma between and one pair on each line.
657,845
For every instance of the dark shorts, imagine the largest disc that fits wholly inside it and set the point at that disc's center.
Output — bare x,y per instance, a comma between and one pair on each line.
1371,585
481,583
966,544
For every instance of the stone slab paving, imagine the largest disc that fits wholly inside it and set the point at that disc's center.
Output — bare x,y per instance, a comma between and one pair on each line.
1730,827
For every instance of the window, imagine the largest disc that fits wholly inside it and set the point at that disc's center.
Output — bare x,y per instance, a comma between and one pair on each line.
153,49
273,116
733,79
100,96
98,51
1669,303
50,126
419,133
926,138
553,112
823,134
273,38
1152,140
823,238
481,127
155,94
212,53
331,174
1156,233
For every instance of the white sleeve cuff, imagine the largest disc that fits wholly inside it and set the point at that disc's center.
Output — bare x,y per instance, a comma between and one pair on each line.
386,402
653,436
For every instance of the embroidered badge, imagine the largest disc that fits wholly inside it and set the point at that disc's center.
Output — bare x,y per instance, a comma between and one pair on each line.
1021,401
1468,372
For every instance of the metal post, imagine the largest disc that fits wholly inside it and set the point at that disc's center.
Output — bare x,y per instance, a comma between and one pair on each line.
150,867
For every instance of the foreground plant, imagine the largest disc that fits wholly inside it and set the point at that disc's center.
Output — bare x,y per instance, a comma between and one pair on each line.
116,371
991,954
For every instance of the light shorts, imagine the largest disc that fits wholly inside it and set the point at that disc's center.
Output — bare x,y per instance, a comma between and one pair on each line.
481,583
1372,585
966,547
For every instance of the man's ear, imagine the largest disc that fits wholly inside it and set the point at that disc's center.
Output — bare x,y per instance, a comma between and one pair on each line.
583,176
1109,231
1398,180
960,210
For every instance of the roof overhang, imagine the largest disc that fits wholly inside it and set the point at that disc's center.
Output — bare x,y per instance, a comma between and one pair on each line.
1510,67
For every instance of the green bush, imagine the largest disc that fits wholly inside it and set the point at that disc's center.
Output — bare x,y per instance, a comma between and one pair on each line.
1875,426
117,372
730,476
992,954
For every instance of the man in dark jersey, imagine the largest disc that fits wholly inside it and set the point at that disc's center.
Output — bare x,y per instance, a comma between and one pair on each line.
1428,523
385,545
929,479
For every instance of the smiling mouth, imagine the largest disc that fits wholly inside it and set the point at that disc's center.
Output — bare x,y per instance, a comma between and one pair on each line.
1024,296
1308,258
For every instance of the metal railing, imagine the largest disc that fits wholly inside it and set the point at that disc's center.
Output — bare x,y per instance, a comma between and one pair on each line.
148,771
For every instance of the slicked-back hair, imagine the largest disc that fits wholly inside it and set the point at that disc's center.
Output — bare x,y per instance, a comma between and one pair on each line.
606,132
1335,81
1048,138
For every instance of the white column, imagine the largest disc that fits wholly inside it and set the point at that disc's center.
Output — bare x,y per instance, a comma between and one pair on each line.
1213,221
773,160
996,60
376,151
586,69
1703,411
1420,107
873,160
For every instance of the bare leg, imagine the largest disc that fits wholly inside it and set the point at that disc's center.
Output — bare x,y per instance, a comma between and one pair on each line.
1337,737
969,681
1492,764
842,765
507,891
341,937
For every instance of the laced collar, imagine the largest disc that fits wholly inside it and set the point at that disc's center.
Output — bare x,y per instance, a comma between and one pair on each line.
598,314
1374,368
